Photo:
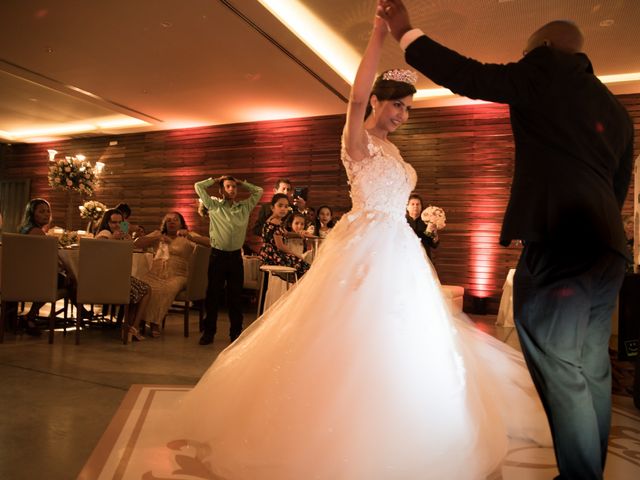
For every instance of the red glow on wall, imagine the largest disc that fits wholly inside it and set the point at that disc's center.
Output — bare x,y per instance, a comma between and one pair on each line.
483,260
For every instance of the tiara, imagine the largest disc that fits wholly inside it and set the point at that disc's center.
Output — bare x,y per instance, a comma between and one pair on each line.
401,75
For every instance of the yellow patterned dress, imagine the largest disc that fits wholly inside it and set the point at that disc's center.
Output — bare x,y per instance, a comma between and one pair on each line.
167,276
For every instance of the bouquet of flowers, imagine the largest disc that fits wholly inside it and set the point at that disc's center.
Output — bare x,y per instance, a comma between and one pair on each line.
92,210
68,238
434,218
71,173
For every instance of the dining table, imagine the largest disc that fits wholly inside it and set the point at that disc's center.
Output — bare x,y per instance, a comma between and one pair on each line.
251,265
70,257
505,311
311,241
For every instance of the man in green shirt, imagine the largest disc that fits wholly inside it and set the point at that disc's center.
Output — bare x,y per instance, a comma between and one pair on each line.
228,221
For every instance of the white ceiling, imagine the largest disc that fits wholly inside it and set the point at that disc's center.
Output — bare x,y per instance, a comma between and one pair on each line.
87,64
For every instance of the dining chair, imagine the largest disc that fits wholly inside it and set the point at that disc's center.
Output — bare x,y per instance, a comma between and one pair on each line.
29,272
196,288
104,276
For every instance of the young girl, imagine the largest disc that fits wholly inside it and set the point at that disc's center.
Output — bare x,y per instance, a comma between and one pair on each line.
274,250
324,221
297,223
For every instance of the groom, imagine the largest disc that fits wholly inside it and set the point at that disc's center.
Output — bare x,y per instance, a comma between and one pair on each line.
573,162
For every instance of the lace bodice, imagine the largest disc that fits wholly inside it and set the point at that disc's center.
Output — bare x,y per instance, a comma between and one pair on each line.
382,181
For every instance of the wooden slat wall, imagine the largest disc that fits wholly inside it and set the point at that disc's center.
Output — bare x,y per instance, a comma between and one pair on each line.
463,156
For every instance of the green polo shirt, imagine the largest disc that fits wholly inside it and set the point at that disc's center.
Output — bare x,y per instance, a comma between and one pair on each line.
228,221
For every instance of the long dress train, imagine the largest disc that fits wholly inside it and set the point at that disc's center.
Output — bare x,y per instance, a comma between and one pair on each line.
344,378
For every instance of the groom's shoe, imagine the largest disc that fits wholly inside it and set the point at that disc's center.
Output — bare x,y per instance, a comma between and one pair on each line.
206,339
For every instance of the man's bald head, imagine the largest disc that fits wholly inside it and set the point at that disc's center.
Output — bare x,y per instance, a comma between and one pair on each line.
559,34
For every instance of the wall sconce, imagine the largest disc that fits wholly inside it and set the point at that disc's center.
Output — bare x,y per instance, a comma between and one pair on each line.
99,167
52,154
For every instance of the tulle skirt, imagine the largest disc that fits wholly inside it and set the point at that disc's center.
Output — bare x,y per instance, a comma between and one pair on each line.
360,372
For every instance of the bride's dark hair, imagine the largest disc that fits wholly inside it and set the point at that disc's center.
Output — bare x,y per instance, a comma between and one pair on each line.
389,90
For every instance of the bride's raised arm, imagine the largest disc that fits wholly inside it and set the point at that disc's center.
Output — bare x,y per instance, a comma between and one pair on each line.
354,136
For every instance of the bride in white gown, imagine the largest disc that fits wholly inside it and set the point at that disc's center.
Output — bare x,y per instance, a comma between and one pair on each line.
365,386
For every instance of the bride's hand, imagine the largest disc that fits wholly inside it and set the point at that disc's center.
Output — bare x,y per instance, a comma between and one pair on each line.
379,24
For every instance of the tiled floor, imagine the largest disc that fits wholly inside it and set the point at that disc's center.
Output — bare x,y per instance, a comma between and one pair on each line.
57,401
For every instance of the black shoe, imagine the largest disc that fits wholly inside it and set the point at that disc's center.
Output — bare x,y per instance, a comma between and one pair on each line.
206,339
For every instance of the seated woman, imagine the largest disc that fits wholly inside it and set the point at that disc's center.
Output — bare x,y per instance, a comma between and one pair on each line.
173,245
134,230
37,217
274,250
110,228
324,221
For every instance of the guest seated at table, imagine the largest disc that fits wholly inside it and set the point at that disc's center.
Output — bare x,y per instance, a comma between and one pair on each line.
133,230
110,228
173,245
36,221
274,250
37,217
324,221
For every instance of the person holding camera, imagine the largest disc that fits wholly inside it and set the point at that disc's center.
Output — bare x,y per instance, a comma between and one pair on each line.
297,200
228,221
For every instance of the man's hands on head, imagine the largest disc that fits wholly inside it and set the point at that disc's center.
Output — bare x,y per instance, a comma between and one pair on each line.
396,15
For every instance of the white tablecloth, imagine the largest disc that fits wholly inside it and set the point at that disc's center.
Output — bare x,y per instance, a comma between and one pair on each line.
251,266
505,312
141,262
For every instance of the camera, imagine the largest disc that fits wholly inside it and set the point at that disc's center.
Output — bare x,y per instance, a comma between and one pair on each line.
301,192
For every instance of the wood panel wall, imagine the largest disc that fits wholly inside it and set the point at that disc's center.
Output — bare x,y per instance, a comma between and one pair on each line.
463,156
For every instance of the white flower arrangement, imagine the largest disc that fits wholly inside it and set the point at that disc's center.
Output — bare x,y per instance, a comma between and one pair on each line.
68,238
71,173
434,218
92,210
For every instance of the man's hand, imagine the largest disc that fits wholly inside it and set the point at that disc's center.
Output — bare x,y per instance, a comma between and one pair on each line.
395,14
300,203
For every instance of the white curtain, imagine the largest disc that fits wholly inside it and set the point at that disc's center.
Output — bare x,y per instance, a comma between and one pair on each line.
14,195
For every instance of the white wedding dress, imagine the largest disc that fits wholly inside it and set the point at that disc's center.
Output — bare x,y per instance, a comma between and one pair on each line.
360,372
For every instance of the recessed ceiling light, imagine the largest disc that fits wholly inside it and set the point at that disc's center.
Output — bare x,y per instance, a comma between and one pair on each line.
607,23
166,24
317,35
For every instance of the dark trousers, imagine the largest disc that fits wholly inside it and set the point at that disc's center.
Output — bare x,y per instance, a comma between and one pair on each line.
225,268
564,325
